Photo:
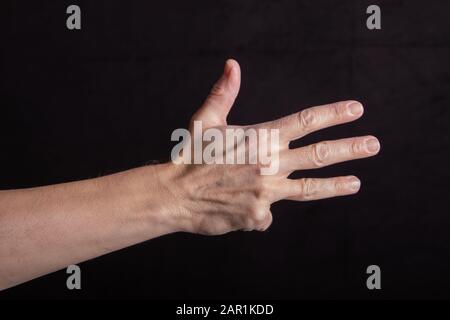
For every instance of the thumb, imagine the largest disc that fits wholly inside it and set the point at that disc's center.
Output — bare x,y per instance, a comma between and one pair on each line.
216,107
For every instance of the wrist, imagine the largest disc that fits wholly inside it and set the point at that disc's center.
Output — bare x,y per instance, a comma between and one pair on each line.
165,199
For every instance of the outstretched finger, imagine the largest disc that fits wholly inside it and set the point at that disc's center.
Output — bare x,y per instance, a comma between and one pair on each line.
326,153
307,189
312,119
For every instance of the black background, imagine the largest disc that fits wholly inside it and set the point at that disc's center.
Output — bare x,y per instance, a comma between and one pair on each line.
79,104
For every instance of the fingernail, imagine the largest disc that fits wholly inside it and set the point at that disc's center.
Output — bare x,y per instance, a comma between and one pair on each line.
372,145
355,108
354,184
228,67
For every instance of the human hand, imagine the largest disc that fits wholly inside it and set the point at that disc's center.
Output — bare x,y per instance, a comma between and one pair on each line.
214,199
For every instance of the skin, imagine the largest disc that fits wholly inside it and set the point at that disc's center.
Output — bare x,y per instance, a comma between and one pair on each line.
48,228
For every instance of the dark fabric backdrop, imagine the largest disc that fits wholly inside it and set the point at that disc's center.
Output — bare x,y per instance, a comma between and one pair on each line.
79,104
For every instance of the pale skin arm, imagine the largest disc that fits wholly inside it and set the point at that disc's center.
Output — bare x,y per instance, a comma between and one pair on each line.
48,228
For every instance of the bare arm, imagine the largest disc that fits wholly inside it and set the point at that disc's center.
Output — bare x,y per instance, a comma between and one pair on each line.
48,228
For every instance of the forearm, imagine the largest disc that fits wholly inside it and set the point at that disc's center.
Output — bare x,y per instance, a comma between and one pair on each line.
48,228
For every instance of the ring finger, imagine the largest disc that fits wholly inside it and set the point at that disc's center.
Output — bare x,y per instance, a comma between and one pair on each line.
329,152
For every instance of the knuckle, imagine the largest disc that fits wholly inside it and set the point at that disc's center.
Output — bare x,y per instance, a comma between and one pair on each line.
257,213
338,110
339,185
266,224
308,188
307,119
217,90
355,147
320,153
267,163
261,190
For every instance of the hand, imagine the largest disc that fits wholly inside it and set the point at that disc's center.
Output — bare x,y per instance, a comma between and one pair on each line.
218,198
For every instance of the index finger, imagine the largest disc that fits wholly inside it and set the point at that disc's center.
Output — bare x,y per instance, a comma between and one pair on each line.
312,119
